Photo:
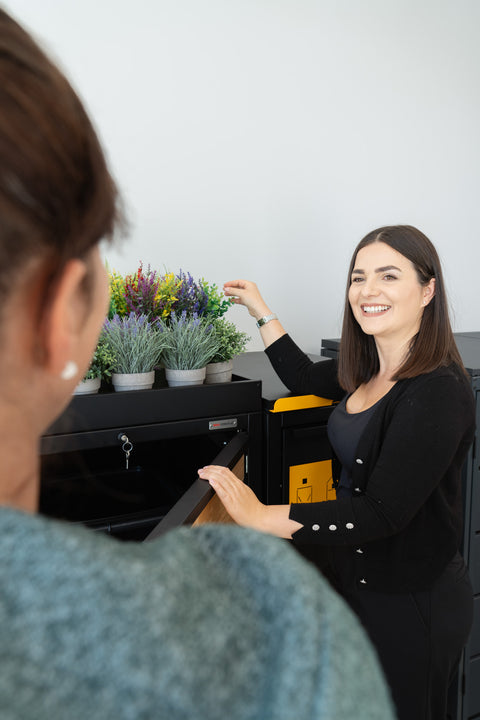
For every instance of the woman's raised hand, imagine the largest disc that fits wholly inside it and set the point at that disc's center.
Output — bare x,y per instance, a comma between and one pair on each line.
245,292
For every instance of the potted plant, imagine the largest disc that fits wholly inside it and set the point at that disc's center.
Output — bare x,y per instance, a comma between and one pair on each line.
191,344
137,344
231,342
101,367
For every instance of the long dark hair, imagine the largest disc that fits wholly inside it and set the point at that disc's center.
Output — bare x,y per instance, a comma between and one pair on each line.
432,347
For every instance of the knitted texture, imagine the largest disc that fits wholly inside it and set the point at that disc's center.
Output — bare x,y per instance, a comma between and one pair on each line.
208,623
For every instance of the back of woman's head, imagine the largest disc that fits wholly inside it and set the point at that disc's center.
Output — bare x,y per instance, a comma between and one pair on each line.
57,198
434,344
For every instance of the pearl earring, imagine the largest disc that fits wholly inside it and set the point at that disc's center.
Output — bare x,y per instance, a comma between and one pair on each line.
69,371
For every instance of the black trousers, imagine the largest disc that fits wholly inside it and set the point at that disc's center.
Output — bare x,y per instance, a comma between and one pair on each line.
419,638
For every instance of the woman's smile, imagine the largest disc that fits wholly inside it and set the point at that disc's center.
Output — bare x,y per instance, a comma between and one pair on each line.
375,309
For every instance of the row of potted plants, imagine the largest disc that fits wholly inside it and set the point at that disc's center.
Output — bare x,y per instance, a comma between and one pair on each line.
169,321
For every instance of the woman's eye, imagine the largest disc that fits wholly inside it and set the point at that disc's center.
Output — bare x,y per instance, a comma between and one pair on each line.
357,279
389,277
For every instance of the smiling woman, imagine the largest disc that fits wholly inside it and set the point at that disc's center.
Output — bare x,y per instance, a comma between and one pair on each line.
399,436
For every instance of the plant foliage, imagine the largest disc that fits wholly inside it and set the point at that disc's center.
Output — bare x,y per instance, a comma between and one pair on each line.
136,343
192,342
231,341
102,363
217,304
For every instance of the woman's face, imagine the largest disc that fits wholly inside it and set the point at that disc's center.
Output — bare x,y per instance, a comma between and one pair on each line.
385,295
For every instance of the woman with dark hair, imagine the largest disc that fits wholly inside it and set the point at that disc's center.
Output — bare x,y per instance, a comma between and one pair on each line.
177,628
399,435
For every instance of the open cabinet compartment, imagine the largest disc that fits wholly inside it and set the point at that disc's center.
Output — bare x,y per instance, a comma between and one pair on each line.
84,474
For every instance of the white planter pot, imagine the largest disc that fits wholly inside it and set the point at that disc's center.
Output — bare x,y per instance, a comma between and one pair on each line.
219,372
87,387
185,377
133,381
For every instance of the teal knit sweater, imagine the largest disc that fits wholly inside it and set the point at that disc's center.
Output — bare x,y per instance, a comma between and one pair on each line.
210,623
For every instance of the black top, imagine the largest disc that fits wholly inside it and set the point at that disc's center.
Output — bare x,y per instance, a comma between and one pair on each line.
344,431
403,523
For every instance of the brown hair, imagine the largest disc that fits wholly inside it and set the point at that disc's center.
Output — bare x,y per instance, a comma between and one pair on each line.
432,347
57,197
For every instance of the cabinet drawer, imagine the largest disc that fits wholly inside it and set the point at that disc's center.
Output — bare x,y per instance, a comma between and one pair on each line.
199,504
85,477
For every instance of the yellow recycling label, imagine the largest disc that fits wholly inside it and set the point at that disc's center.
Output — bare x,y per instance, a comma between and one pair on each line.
311,482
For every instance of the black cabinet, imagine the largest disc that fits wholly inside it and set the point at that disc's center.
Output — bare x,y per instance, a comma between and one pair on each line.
296,450
468,700
122,462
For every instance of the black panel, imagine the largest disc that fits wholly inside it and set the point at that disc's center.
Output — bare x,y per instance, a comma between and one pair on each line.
194,500
473,690
474,648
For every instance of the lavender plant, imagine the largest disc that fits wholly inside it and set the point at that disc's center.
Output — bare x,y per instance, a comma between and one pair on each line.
191,296
191,342
136,343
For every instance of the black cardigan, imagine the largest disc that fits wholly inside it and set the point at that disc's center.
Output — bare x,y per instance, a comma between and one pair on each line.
403,523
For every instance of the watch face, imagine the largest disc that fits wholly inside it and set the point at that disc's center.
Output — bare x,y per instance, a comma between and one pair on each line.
265,320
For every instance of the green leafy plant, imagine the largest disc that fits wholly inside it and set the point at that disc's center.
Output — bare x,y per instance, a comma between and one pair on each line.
102,362
136,343
231,341
192,342
217,304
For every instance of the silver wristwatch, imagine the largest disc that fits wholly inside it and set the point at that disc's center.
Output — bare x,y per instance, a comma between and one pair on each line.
264,320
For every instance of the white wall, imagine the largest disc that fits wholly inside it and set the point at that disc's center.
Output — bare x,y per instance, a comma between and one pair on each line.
264,138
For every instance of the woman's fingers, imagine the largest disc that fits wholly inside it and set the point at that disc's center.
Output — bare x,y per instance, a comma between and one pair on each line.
237,289
245,292
222,480
239,500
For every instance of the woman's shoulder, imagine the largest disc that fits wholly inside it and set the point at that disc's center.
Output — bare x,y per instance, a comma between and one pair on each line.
444,388
452,376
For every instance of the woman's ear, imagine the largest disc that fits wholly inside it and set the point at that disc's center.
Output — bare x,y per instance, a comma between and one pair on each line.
428,291
63,318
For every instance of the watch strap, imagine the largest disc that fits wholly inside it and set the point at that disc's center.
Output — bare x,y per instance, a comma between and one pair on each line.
264,320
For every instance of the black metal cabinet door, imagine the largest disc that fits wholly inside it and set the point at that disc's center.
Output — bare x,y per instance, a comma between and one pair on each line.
196,500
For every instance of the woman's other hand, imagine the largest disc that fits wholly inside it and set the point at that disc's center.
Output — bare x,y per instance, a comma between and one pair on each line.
244,507
245,292
239,500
